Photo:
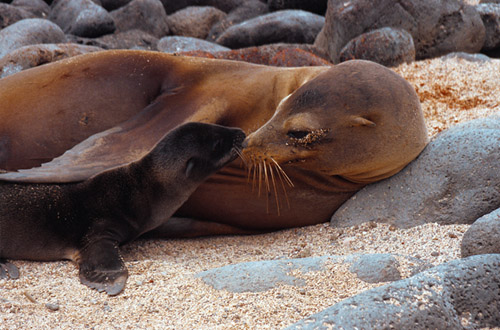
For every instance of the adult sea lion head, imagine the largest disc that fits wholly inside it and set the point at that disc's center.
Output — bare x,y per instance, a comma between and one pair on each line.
358,120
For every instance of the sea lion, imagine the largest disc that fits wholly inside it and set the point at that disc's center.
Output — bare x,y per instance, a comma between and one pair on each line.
87,221
364,122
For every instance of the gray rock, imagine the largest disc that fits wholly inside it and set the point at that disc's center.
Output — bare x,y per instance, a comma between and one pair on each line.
490,14
315,6
34,55
260,276
455,180
386,46
38,8
462,294
131,39
146,15
437,26
290,26
82,18
264,275
248,10
28,32
194,22
185,44
224,5
376,268
10,14
466,56
483,237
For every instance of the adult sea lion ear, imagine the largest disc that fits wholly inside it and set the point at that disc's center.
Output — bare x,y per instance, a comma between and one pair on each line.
361,121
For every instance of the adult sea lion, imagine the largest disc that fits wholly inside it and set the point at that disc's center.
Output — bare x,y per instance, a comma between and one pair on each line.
332,130
87,221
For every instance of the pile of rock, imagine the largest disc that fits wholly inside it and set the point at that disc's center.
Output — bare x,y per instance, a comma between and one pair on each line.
385,31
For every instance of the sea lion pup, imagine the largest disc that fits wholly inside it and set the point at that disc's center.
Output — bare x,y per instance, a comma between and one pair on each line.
331,129
86,222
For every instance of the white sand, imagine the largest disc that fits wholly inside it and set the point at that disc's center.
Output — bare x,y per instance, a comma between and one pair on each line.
162,292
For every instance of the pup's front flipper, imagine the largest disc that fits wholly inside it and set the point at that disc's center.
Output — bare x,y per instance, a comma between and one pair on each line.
102,268
8,270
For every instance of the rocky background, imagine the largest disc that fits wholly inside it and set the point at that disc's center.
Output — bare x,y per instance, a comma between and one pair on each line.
430,235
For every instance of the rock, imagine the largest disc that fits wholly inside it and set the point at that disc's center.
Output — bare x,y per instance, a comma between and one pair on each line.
31,56
291,26
376,268
146,15
184,44
82,18
113,4
273,54
224,5
490,15
461,294
10,14
315,6
386,46
454,180
295,57
466,56
132,39
38,8
483,237
194,22
437,26
260,276
248,10
28,32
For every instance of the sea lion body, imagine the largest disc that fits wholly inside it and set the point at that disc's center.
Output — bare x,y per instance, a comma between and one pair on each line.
117,104
86,221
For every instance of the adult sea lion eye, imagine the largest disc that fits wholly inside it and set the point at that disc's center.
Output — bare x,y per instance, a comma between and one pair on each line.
297,134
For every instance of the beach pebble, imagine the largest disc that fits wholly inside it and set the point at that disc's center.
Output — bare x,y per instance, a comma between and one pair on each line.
224,5
490,15
194,22
386,46
31,56
29,32
291,26
10,14
176,44
146,15
82,18
248,10
39,8
376,268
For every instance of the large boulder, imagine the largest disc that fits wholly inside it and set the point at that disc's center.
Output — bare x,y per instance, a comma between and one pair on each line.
437,26
461,294
194,22
455,180
483,236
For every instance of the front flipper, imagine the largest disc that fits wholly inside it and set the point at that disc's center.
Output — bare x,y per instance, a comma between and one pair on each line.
8,270
102,268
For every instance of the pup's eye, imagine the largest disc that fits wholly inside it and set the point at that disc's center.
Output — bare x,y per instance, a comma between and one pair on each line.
297,134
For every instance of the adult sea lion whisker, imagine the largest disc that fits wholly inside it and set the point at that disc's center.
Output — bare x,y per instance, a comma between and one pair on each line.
274,188
280,175
287,178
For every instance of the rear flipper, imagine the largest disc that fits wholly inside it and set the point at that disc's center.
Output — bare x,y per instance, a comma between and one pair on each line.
102,268
8,270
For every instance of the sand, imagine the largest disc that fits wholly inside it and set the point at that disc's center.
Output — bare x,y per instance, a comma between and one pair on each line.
162,292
